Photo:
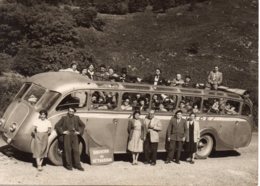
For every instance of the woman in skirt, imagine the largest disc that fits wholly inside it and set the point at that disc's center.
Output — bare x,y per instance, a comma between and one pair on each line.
41,131
136,130
192,137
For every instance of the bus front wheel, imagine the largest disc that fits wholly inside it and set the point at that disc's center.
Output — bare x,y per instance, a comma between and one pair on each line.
205,146
55,154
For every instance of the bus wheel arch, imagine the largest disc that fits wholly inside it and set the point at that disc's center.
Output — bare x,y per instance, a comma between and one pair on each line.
206,145
56,152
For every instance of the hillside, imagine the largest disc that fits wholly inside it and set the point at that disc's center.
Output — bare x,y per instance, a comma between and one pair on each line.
219,32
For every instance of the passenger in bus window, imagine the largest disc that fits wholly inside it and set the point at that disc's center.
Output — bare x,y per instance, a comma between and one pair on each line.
102,74
155,102
32,99
153,126
41,131
70,127
142,105
161,108
195,109
215,107
137,134
192,137
230,109
222,106
182,107
102,103
176,133
188,106
126,105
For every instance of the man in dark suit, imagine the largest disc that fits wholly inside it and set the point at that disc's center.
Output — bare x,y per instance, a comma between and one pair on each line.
176,136
70,126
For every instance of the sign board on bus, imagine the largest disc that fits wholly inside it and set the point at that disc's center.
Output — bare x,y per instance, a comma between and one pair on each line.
101,155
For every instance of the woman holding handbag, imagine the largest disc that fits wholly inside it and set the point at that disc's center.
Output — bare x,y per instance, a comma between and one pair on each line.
137,133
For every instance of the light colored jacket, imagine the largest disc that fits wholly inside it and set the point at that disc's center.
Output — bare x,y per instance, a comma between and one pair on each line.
215,77
196,131
153,128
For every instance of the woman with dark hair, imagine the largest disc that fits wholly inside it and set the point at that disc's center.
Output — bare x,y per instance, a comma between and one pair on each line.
90,71
137,133
192,137
41,131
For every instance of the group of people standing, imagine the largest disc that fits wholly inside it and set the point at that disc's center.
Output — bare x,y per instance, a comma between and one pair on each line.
144,137
214,80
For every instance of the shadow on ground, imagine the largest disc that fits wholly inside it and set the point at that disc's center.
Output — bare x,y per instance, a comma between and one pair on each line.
27,157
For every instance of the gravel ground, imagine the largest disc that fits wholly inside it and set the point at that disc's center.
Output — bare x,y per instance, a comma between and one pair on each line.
222,168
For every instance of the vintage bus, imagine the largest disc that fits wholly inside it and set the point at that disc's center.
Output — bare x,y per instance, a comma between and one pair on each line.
225,118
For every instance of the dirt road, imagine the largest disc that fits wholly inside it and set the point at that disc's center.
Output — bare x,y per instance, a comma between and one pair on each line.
222,168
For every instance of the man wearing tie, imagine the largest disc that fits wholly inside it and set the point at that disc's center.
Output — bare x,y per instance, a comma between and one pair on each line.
176,136
153,126
156,79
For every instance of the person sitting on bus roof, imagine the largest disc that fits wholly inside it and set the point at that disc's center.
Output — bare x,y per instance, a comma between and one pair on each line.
84,72
187,82
102,74
182,107
215,78
178,81
90,72
112,76
156,79
73,68
126,105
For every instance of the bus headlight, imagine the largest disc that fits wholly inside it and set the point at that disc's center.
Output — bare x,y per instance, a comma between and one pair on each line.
12,128
2,122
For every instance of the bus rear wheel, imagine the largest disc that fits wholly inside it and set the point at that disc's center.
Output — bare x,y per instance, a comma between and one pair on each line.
55,154
205,146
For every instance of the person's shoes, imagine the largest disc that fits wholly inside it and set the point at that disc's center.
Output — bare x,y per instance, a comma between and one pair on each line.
68,168
167,161
80,168
39,168
178,162
153,163
146,162
192,162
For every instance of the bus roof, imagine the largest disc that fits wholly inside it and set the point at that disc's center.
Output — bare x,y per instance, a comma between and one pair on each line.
68,81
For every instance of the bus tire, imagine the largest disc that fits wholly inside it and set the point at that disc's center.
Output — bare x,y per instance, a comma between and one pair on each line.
205,146
55,155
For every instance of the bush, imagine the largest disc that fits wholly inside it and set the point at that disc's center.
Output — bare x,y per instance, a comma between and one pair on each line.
137,5
85,16
112,7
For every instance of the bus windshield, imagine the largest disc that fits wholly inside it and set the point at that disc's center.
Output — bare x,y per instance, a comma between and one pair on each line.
49,98
34,94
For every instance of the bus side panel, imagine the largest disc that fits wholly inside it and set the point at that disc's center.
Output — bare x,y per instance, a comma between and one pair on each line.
121,137
243,134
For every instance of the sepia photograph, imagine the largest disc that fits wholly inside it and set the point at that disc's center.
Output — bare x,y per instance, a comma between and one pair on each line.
129,92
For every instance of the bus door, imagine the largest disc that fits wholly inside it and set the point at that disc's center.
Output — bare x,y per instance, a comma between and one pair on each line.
243,130
102,119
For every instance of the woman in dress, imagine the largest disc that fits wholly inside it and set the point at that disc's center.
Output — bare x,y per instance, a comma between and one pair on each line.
137,133
192,137
41,131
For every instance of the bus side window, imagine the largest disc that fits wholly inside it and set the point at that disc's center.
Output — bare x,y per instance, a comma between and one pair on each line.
246,111
135,101
211,106
232,107
164,102
104,100
76,99
190,104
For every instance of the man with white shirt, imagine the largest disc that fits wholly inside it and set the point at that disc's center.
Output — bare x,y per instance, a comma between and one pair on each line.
153,126
215,78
